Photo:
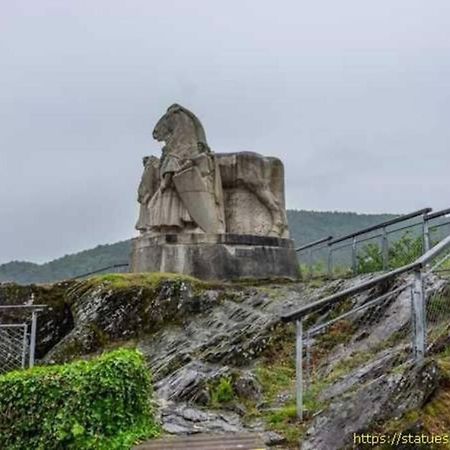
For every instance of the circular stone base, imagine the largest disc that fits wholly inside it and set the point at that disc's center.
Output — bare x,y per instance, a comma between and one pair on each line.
215,256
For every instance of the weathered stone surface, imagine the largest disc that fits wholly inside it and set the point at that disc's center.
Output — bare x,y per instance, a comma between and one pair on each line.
247,386
190,382
189,196
388,396
182,418
147,188
380,364
216,257
188,186
253,193
190,191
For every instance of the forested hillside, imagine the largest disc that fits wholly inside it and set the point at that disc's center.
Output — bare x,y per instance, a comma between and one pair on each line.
68,266
305,226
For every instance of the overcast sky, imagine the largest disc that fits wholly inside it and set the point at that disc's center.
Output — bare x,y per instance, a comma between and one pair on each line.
354,96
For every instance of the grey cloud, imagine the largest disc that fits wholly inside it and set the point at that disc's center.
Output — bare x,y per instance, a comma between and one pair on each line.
353,96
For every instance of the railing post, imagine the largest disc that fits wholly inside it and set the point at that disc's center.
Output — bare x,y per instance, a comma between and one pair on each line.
426,234
299,368
310,263
24,346
385,249
33,337
418,316
308,360
330,261
354,262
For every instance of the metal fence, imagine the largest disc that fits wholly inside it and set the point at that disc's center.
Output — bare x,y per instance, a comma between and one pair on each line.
115,268
391,316
327,249
18,329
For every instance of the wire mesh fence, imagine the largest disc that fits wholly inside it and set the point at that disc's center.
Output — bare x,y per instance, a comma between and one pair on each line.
14,347
381,247
388,319
373,330
18,332
437,303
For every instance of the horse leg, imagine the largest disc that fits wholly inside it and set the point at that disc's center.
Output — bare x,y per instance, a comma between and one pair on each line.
268,199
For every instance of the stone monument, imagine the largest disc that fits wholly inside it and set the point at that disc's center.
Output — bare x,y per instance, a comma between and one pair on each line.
210,215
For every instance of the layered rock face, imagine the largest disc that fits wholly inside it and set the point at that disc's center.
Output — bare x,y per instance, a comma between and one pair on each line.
198,336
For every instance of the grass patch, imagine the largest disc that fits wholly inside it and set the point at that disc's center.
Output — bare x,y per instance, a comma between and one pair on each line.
275,379
127,280
222,392
284,421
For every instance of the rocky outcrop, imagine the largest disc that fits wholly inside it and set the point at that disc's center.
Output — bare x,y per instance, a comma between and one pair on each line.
379,399
193,335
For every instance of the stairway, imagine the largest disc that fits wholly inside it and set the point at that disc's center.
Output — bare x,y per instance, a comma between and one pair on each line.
237,441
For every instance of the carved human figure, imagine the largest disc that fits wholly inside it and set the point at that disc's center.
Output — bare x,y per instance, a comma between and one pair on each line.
147,188
189,197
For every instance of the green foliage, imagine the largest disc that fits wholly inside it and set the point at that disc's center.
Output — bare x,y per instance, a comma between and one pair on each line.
133,280
103,403
222,392
401,252
275,378
370,259
405,250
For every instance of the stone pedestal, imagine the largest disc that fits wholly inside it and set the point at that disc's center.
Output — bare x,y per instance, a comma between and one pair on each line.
215,256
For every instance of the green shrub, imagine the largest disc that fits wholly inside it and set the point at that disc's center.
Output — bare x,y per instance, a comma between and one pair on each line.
222,392
405,250
370,259
103,403
401,252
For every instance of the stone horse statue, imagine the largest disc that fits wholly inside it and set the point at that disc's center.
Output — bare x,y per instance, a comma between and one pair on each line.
223,175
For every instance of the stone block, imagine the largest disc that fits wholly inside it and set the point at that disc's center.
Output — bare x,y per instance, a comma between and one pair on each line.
216,256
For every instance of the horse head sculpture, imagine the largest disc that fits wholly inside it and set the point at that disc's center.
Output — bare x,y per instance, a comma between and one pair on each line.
179,124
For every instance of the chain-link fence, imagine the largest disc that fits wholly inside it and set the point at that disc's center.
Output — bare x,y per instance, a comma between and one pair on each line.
437,305
18,329
374,325
387,245
359,330
13,347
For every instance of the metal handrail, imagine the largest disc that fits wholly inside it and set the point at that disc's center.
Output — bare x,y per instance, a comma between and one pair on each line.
442,212
352,240
314,243
432,253
426,212
379,226
114,266
416,265
359,308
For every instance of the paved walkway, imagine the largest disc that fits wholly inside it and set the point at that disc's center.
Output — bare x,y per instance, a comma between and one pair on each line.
241,441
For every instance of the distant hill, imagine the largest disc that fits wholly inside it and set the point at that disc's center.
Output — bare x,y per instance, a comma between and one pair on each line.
68,266
305,226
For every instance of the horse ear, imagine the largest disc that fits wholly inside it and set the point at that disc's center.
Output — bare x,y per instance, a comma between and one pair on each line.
175,107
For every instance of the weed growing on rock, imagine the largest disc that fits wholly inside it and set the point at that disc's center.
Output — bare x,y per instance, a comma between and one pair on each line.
222,392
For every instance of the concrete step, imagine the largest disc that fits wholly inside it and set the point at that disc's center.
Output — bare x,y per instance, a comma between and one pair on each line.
236,441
